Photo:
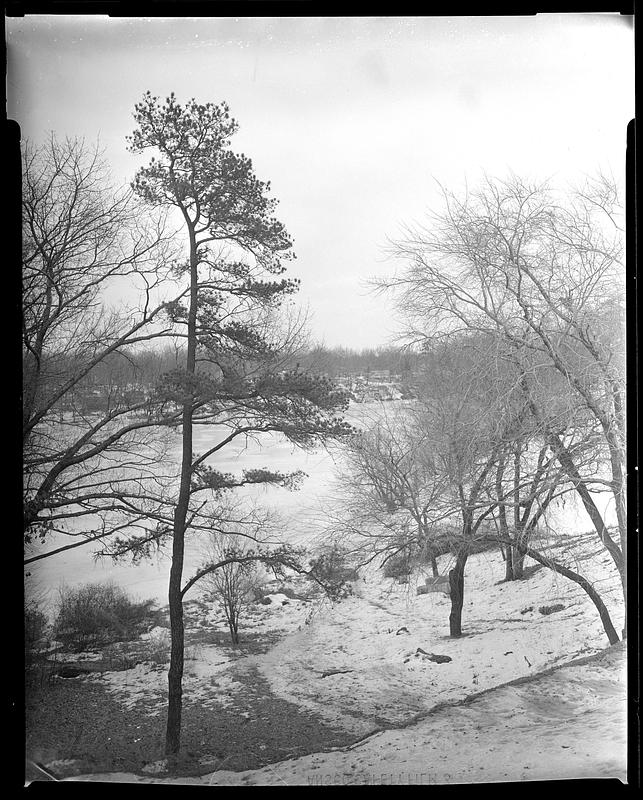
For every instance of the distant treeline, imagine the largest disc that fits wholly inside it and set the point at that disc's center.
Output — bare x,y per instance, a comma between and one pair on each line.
142,368
339,361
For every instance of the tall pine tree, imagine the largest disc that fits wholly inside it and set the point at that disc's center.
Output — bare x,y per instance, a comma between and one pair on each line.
229,317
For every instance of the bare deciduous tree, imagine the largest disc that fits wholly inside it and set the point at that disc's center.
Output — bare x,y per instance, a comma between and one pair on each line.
471,419
230,586
544,270
82,241
389,489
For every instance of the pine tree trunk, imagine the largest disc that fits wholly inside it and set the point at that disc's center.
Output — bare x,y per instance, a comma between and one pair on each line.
175,597
175,674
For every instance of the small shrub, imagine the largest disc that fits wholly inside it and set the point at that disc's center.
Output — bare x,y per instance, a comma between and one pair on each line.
288,591
551,609
397,566
332,569
439,546
231,587
158,649
448,539
35,625
99,613
482,544
35,630
116,660
260,591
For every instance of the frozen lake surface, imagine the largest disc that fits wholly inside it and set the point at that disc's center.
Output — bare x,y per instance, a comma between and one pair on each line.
302,510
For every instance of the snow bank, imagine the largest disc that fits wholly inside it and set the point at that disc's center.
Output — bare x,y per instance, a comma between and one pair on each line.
568,724
206,681
390,682
361,665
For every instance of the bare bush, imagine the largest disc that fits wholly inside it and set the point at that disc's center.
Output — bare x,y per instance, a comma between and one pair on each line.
332,570
99,613
234,583
397,566
35,630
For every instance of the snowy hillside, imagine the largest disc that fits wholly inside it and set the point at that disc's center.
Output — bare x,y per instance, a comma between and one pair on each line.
367,666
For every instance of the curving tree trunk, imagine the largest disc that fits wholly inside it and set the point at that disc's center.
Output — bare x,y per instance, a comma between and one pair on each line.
586,586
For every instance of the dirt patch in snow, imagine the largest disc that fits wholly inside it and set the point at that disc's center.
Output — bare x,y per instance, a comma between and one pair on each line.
382,681
309,677
567,723
79,726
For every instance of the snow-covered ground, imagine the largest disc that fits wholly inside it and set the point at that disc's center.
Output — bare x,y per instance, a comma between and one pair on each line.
568,724
207,681
390,680
299,510
364,665
302,513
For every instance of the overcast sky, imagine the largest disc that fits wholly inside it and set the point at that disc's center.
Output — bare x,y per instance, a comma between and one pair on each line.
350,119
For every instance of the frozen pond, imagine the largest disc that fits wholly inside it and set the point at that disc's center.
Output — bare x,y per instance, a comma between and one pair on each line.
149,579
302,511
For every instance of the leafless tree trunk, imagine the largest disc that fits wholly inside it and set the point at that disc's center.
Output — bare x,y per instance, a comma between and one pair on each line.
542,271
456,585
83,476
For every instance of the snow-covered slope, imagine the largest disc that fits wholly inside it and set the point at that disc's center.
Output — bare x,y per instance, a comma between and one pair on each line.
365,665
